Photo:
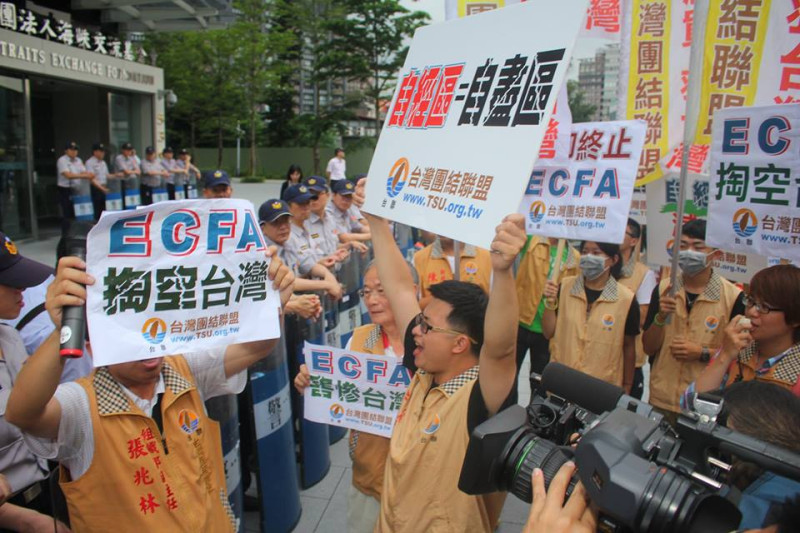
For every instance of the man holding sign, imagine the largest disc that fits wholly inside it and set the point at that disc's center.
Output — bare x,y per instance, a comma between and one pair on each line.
135,444
465,347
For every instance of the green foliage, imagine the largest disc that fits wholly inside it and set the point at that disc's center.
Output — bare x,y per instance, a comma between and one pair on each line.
253,179
581,111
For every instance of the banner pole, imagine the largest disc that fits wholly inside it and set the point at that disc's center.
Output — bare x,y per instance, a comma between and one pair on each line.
694,86
457,253
557,265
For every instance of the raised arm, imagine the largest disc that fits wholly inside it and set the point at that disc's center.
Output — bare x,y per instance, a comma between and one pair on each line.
498,354
392,267
239,357
31,406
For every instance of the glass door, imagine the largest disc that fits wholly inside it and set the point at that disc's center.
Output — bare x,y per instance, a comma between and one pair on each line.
16,219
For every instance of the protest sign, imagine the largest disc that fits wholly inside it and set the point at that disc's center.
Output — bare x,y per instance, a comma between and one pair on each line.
472,105
588,198
662,209
176,277
755,180
354,390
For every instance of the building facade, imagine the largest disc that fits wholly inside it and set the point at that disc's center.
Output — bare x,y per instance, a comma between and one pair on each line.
598,78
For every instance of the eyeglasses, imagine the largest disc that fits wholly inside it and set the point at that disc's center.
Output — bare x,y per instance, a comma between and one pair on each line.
366,293
425,327
762,308
631,235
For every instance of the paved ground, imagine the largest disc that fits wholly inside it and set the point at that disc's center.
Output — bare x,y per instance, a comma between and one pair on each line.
325,504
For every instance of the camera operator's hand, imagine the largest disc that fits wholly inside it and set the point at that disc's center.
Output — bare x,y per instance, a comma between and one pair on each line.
508,240
685,350
302,380
735,339
67,288
549,514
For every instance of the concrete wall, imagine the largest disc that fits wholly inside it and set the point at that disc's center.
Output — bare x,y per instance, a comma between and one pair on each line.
276,161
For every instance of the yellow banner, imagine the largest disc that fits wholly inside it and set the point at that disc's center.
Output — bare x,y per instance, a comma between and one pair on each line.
734,46
648,81
471,7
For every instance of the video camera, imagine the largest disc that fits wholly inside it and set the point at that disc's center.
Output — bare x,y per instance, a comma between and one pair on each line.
641,473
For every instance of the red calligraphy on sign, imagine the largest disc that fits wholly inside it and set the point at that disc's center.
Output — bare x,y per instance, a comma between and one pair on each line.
698,153
426,87
604,14
790,76
688,23
398,115
587,147
148,504
136,448
444,96
547,150
616,146
793,19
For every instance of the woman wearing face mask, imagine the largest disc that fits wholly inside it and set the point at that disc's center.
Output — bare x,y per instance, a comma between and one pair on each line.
763,345
593,322
681,332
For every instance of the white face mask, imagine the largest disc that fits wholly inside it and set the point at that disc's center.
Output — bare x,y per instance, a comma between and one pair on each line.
593,266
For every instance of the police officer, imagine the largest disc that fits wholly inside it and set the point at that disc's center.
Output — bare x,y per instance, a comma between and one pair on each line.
153,175
97,166
217,184
127,164
174,172
73,178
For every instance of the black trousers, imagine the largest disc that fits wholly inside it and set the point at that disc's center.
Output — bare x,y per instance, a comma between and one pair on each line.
171,191
67,209
540,352
98,202
147,194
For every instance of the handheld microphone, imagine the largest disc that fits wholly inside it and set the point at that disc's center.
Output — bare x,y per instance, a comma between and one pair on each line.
576,387
73,317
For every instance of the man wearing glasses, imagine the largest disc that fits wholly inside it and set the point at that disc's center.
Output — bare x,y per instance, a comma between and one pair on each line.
682,331
464,346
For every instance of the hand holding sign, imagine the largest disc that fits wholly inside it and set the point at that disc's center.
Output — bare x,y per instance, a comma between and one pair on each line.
508,241
281,275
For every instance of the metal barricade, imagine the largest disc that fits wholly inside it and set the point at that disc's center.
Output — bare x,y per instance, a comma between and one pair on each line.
114,195
330,313
271,412
349,310
132,194
180,190
160,193
312,438
82,199
404,237
224,410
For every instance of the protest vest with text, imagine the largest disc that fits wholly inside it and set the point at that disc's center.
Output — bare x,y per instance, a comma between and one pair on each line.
131,480
433,267
704,325
592,341
369,451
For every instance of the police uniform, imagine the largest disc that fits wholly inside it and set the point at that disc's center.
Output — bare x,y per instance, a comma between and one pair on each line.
99,168
68,187
129,164
150,182
301,250
323,232
171,166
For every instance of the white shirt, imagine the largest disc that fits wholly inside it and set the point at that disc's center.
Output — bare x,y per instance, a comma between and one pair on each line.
73,166
337,167
74,447
99,168
645,290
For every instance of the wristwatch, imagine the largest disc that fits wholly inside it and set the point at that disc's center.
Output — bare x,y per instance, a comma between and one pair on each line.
705,355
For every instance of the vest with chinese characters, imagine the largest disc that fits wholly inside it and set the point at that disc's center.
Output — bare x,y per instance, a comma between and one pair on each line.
133,483
704,325
591,341
429,441
632,276
367,450
534,268
433,267
785,373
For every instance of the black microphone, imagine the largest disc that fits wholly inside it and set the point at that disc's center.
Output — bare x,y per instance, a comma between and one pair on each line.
576,387
73,317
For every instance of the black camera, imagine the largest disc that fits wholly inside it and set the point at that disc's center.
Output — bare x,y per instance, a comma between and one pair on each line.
641,473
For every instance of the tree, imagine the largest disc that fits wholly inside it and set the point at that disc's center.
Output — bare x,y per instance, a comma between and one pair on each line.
369,44
256,67
581,111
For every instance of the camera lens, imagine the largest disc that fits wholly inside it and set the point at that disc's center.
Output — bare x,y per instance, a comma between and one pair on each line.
528,453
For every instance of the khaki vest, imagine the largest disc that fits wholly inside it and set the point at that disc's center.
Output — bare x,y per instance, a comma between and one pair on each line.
705,324
534,267
429,441
369,451
784,373
633,282
475,265
132,484
592,342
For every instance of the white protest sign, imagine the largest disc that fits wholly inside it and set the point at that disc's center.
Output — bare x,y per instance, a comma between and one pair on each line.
662,205
176,277
589,198
354,390
472,104
755,180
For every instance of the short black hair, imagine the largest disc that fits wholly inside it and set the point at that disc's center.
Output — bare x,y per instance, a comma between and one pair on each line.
635,227
695,229
338,150
469,303
610,250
